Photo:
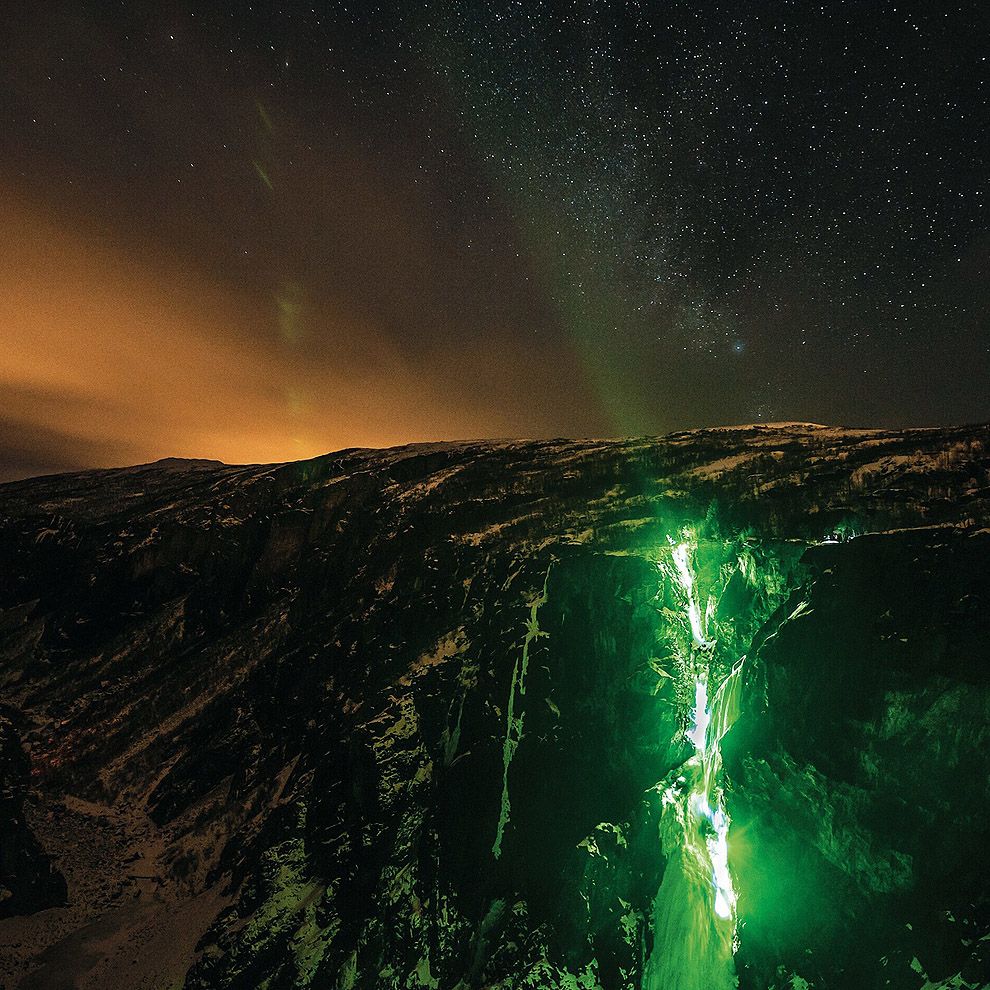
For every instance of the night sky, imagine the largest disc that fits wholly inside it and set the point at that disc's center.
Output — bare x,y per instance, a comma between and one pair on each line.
258,233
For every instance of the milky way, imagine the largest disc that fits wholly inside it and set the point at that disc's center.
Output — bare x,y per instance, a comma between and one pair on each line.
516,218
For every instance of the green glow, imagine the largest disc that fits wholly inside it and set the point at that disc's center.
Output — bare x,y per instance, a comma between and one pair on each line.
265,118
681,555
694,918
263,175
513,721
698,794
706,798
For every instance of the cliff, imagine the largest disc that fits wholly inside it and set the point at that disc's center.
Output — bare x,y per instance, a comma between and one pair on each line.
656,713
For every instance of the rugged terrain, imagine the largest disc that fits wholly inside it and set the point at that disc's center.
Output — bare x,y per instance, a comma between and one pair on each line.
661,713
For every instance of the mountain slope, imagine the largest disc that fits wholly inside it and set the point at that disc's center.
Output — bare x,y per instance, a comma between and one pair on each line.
416,717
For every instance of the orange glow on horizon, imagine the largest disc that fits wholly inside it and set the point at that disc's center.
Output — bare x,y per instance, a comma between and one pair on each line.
126,361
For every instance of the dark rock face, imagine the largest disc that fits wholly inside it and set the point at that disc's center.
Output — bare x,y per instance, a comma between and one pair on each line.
27,880
413,718
859,773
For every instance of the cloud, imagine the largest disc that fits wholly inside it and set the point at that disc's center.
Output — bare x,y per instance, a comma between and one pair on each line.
109,358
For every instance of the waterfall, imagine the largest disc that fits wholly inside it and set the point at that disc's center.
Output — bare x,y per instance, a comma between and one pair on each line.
694,909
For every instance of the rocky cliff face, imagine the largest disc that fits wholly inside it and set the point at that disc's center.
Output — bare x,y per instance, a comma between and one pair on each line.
662,713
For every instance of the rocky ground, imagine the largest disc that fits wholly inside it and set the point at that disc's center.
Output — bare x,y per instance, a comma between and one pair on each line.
398,718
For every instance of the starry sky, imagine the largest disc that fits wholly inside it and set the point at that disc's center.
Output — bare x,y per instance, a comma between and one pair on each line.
260,232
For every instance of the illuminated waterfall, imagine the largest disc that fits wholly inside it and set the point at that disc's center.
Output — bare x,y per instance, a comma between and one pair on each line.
694,910
685,575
